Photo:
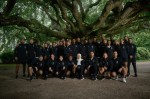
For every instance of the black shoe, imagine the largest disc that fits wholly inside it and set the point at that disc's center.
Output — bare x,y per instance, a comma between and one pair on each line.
24,75
31,78
16,76
135,75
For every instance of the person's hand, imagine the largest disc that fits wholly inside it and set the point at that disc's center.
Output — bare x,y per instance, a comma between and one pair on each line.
105,67
50,69
64,68
88,67
85,71
56,73
131,56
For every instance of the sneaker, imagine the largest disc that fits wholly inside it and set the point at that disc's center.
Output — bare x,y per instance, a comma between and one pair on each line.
95,79
116,78
124,80
64,78
102,78
82,78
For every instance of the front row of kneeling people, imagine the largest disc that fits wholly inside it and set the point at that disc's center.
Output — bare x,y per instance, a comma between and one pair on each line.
78,68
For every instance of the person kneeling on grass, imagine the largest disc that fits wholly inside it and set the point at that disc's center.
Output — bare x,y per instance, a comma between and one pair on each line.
37,67
105,67
61,68
118,67
79,66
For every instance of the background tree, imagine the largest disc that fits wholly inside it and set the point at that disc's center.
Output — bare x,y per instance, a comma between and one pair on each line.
56,19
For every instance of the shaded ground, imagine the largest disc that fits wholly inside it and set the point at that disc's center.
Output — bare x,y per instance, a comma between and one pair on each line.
54,88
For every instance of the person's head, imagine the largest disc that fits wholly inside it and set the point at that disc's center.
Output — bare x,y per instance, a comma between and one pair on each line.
54,44
116,42
22,41
121,41
91,54
109,42
61,58
105,41
105,55
67,43
73,41
126,38
90,41
78,39
70,57
52,56
130,40
85,41
94,39
115,54
45,45
41,58
60,43
31,41
79,56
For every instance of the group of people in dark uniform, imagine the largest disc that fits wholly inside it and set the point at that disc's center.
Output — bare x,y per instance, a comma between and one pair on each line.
76,58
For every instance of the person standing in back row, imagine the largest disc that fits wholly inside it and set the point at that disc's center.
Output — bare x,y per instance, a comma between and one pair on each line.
20,57
132,57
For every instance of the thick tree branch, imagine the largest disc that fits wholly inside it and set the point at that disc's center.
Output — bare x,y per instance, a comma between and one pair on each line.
31,25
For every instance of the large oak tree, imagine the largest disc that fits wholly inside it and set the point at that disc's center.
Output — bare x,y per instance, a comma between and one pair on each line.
73,18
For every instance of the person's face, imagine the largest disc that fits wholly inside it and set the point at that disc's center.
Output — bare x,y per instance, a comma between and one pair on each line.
73,41
60,43
41,58
54,44
78,39
126,38
78,56
105,41
115,54
31,41
92,54
70,58
130,41
60,58
22,41
122,41
52,57
109,42
94,39
105,56
45,45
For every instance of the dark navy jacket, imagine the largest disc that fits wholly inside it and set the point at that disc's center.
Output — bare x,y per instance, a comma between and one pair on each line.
117,63
37,63
21,51
38,50
132,50
52,64
93,62
107,63
123,51
31,51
